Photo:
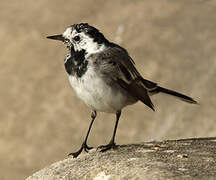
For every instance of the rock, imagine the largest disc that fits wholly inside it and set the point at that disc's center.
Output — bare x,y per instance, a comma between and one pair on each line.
171,159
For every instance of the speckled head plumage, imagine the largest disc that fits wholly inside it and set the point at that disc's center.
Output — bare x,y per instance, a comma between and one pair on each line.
85,37
82,37
91,31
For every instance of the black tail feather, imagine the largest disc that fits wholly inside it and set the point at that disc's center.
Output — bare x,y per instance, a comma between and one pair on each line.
173,93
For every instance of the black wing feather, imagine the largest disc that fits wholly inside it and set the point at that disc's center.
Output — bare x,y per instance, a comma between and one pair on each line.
126,75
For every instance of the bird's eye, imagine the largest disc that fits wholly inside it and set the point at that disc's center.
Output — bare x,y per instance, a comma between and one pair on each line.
76,38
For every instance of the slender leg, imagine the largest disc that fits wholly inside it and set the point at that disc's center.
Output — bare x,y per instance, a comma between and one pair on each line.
111,144
84,144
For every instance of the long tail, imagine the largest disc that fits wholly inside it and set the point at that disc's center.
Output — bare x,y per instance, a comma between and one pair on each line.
153,88
174,93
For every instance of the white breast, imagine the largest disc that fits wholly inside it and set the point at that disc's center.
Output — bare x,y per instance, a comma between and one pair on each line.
97,94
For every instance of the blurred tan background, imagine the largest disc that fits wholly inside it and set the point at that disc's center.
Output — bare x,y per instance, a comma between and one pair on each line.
173,42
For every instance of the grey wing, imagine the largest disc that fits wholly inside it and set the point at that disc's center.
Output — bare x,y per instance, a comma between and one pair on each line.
118,65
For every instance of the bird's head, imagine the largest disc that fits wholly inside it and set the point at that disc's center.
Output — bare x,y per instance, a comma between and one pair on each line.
82,37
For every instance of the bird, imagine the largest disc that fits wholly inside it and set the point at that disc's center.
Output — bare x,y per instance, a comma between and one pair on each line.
103,75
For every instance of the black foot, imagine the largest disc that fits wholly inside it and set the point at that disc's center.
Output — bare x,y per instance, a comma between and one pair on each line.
109,146
84,147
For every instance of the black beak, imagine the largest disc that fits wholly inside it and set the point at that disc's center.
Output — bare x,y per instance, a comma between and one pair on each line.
57,37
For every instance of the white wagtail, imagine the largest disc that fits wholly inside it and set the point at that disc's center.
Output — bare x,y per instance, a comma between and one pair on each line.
103,75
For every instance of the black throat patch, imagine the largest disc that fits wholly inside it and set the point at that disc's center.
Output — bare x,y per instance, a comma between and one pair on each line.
75,63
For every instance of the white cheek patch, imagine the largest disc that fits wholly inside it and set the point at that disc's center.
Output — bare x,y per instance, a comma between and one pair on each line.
89,45
82,44
85,43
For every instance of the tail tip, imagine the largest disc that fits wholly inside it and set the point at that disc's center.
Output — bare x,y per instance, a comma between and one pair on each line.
191,100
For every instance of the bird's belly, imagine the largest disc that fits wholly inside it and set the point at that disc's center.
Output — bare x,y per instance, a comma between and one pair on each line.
99,95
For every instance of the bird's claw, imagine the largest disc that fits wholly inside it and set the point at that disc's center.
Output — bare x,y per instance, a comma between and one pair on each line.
84,147
107,147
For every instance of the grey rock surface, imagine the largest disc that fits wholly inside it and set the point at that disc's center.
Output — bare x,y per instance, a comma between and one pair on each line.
173,159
